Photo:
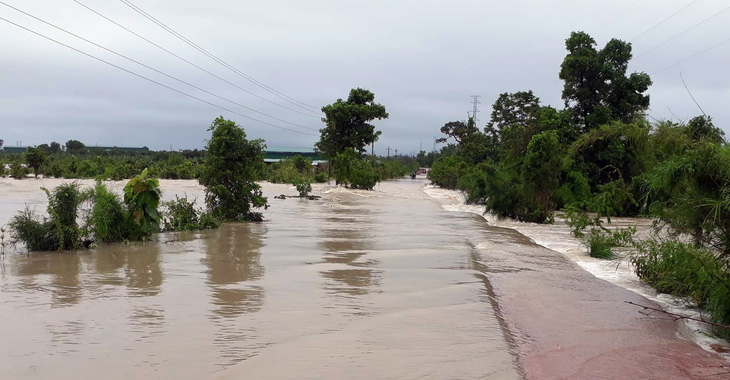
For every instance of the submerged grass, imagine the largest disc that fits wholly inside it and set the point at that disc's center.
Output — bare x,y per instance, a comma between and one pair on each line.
690,271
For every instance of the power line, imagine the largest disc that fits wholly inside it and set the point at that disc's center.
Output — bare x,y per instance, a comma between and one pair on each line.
663,21
215,58
685,31
191,63
694,55
152,68
151,80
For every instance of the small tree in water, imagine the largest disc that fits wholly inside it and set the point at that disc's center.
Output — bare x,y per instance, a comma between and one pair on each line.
232,165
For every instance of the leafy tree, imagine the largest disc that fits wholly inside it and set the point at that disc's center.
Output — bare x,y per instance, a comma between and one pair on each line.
232,166
142,197
75,146
458,130
701,127
348,123
596,87
509,109
35,158
54,147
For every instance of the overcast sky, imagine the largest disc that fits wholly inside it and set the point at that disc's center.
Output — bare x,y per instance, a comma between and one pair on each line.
422,59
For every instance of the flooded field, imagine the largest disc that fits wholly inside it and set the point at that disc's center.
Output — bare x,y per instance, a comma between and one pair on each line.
380,284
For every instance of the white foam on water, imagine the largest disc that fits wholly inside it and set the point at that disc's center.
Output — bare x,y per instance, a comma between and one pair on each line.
557,237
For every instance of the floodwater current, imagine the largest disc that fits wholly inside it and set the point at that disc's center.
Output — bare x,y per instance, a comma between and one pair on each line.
382,284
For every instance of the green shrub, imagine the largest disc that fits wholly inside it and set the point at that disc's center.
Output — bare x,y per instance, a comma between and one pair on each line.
17,170
182,215
142,197
447,170
351,170
108,220
284,172
60,231
690,271
304,188
320,177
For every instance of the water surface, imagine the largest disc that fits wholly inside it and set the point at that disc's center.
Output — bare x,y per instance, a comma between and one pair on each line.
358,284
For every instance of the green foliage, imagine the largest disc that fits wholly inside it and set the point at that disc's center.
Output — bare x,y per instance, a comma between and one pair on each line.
692,194
447,170
686,270
108,221
232,165
348,123
285,172
596,87
75,146
182,215
351,170
304,188
35,158
320,177
17,170
60,231
142,197
599,240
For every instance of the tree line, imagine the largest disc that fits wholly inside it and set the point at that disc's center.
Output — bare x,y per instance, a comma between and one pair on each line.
599,157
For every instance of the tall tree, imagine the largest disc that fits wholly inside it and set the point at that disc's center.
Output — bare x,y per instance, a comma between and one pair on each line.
229,173
348,123
596,87
512,108
35,158
75,146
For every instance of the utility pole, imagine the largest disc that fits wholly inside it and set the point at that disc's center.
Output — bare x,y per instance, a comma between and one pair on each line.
396,153
372,149
388,151
434,143
475,109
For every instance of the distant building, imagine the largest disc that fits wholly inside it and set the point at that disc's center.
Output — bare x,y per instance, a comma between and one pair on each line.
14,149
120,149
272,155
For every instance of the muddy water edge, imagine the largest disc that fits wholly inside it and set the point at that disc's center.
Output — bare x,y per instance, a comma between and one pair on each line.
381,284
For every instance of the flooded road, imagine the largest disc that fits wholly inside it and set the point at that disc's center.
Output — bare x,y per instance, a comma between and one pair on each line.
382,284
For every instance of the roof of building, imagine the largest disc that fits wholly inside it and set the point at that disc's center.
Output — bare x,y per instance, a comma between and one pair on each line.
289,150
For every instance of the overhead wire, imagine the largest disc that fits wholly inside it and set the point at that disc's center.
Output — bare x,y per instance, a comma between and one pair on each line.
694,55
152,68
151,80
683,32
216,58
189,62
663,21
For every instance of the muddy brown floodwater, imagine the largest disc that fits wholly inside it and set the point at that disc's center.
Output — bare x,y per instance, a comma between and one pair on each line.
381,284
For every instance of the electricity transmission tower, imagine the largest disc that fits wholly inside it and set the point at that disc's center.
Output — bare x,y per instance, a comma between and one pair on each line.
475,105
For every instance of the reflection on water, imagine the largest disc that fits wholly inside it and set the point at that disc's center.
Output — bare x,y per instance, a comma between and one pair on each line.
345,239
63,269
354,285
233,259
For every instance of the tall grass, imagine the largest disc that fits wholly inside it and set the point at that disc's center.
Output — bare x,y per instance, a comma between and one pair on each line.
108,221
690,271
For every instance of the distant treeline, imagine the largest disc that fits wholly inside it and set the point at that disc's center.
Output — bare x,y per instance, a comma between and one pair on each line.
112,164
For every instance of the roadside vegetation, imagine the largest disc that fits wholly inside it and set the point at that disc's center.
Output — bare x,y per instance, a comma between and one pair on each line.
597,158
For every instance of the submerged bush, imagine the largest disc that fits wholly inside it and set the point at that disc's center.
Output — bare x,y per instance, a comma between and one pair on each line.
351,170
304,188
687,270
60,231
142,197
182,215
108,220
